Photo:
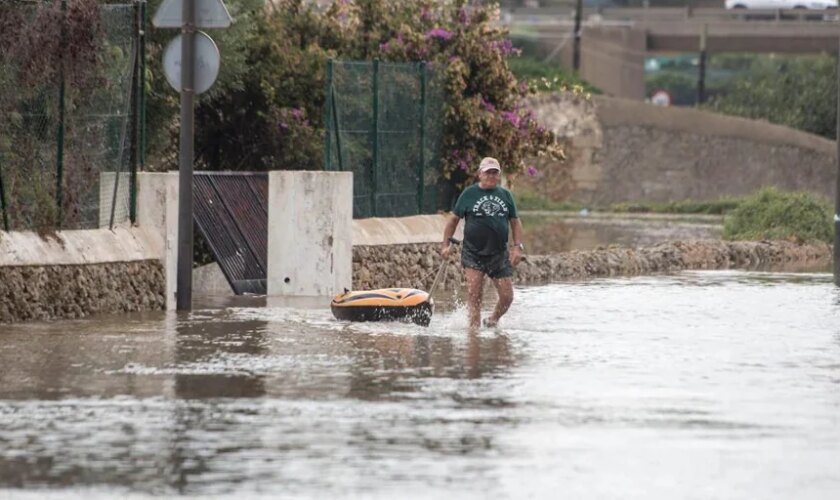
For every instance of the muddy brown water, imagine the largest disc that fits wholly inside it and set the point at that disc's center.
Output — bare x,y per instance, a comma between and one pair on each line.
699,385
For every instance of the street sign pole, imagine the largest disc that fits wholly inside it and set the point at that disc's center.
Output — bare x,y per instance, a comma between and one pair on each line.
185,176
189,79
837,182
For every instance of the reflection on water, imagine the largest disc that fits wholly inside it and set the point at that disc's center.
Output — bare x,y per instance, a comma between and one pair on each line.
547,234
701,385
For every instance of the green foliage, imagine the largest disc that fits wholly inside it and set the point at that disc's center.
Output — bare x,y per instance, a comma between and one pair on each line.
799,92
281,81
771,214
544,77
225,113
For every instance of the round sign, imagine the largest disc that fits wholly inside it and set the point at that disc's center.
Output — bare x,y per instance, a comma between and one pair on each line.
207,61
661,98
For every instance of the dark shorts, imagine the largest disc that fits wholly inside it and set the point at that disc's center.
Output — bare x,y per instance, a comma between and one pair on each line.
495,266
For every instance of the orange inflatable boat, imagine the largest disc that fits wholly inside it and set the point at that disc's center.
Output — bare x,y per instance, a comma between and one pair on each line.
385,304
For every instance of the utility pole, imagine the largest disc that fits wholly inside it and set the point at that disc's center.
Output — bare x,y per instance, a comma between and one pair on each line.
837,184
576,41
701,67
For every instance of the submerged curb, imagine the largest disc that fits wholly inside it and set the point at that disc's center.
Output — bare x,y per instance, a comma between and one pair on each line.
407,265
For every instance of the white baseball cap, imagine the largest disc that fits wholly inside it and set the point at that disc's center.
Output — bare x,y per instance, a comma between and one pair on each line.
489,163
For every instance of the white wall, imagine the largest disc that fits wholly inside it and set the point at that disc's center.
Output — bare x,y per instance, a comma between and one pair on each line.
157,211
310,238
78,247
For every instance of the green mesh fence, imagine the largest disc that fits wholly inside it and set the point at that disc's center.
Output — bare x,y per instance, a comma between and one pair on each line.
384,124
67,126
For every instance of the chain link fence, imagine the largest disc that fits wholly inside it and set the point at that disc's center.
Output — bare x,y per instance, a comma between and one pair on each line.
69,91
384,123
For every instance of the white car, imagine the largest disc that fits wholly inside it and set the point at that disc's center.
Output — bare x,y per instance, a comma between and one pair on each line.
781,4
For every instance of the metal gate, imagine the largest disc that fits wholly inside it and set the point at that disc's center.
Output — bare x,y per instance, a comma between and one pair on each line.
231,213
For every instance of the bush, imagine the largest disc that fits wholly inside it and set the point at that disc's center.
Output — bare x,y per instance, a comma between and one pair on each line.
545,77
772,214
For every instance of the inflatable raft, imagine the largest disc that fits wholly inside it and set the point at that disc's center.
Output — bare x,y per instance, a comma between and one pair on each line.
386,304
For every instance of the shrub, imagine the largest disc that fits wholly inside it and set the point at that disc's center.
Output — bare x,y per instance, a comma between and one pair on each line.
772,214
545,77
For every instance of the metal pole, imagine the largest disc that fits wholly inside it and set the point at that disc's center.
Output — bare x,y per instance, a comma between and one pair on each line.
328,104
837,184
185,177
576,41
336,129
142,105
422,166
135,112
118,170
375,169
3,201
701,70
59,155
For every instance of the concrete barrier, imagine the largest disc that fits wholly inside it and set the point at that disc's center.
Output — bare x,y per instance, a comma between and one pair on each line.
309,233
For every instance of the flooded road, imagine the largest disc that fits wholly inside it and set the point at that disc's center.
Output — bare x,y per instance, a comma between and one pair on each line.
700,385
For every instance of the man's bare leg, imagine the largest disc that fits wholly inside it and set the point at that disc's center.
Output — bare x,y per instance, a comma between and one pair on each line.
475,287
504,289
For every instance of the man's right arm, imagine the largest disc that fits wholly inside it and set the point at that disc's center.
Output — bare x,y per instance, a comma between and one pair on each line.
448,231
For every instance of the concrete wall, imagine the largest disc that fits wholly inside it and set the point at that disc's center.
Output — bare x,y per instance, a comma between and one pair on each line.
310,233
622,150
157,211
613,58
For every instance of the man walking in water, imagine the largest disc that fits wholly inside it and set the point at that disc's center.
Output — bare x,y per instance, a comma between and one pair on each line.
488,209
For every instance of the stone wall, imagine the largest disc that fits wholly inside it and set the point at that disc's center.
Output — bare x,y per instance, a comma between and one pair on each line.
621,150
70,274
415,265
73,291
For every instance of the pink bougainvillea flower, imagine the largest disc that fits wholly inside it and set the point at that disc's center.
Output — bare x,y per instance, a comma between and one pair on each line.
487,104
512,117
532,170
439,33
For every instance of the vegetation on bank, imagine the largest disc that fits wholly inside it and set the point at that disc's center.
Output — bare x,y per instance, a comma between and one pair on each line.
775,215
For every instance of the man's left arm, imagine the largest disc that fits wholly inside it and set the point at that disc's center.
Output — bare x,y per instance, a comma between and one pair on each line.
516,251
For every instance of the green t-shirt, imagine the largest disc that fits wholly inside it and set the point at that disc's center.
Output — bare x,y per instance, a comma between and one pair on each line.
487,213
